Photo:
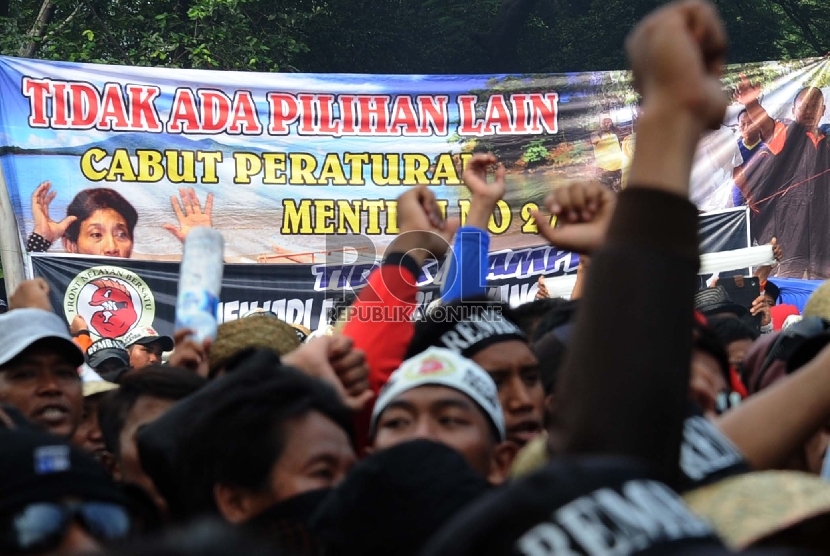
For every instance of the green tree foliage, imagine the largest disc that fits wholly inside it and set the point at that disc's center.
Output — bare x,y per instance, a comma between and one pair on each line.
214,34
393,36
535,152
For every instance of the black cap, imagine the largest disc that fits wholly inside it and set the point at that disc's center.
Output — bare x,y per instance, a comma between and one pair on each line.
772,291
39,467
585,505
105,349
716,301
395,500
806,351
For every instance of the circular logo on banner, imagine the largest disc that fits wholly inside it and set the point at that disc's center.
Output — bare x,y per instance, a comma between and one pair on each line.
111,300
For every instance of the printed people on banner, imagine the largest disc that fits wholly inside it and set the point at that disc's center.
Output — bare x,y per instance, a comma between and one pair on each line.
628,146
788,191
717,157
750,144
607,152
100,221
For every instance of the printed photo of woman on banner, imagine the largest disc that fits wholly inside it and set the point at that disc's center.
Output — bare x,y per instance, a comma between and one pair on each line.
100,221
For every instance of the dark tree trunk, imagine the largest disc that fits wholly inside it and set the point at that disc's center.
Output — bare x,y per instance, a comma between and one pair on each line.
38,30
502,43
180,54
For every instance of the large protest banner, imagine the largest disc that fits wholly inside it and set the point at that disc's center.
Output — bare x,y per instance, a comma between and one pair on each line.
122,161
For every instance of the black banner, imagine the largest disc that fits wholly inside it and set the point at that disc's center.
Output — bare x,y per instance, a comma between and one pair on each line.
143,293
724,231
116,295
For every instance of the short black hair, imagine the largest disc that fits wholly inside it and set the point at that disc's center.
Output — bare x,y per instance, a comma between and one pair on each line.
550,350
157,381
705,340
239,432
730,330
741,113
559,315
88,201
530,315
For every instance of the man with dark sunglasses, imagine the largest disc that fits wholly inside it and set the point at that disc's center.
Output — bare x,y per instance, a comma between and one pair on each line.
55,499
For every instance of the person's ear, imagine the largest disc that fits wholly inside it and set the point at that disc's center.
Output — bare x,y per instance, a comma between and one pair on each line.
69,246
237,505
503,456
550,405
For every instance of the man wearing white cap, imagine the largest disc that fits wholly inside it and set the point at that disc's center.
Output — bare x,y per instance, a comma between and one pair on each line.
442,396
146,346
39,369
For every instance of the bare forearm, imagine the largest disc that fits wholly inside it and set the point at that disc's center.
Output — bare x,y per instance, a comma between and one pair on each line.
656,229
763,272
640,375
787,414
480,212
761,119
666,142
581,276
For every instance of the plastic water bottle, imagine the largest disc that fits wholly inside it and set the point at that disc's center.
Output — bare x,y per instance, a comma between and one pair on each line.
200,281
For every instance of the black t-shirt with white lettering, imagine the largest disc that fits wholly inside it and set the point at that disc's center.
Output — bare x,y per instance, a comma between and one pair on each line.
706,455
589,505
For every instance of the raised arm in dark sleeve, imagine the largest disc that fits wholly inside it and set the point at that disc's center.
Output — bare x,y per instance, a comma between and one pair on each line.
626,377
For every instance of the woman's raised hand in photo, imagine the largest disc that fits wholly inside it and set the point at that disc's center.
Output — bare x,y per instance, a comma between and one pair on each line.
45,227
190,213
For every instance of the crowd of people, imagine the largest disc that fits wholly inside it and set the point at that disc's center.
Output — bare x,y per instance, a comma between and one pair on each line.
642,416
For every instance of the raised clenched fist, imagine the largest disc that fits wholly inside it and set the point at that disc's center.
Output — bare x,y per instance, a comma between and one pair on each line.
677,55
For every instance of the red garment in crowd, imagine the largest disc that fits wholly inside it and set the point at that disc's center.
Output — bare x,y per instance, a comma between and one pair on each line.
780,313
380,320
737,384
380,324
